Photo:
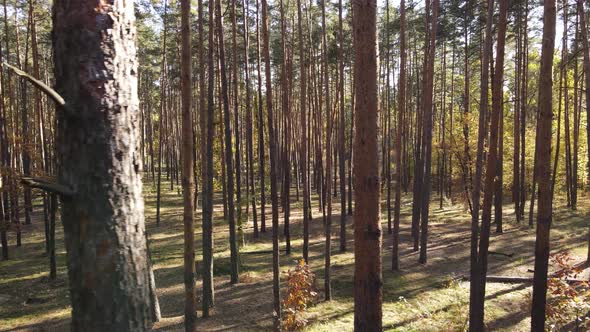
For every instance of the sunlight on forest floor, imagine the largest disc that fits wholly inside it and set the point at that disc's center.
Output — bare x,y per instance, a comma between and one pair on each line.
420,298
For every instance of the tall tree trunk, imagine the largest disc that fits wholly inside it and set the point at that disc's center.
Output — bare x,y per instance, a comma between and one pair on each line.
249,134
584,29
261,149
476,312
273,176
208,284
543,165
342,129
328,153
368,284
491,161
161,130
303,113
229,173
427,105
188,183
109,285
398,155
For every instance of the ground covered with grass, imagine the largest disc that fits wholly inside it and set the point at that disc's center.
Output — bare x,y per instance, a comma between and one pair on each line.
428,297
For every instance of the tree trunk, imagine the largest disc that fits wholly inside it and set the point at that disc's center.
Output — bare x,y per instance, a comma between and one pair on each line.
99,159
229,173
368,283
188,183
543,166
273,176
398,139
476,302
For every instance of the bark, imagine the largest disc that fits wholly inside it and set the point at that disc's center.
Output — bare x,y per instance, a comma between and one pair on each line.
261,149
476,312
398,156
543,166
427,104
585,43
161,129
99,159
208,284
368,283
328,153
341,141
234,260
273,175
188,182
491,167
303,113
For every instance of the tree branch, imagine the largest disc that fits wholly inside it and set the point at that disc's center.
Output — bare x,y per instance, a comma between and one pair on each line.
48,184
39,84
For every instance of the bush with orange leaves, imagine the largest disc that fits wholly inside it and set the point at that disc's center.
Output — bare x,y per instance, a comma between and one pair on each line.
568,301
299,296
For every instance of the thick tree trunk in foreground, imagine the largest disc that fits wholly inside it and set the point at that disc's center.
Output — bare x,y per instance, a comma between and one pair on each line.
543,167
368,283
98,150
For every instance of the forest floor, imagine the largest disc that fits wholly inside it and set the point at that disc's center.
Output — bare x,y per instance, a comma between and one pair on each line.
419,298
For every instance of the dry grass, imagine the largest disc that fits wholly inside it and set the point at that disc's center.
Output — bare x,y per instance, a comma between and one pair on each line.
420,298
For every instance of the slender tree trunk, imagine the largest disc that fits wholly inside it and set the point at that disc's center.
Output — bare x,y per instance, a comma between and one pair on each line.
208,284
342,129
398,156
273,176
161,130
328,153
584,29
303,113
188,183
234,260
543,165
261,149
476,306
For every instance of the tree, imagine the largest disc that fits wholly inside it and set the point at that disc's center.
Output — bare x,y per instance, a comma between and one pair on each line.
273,176
586,47
476,302
398,138
234,261
208,285
99,160
543,166
367,229
328,154
303,114
188,183
427,129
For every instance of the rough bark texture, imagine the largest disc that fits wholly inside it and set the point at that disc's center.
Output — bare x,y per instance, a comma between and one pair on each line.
368,281
543,167
98,149
188,181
